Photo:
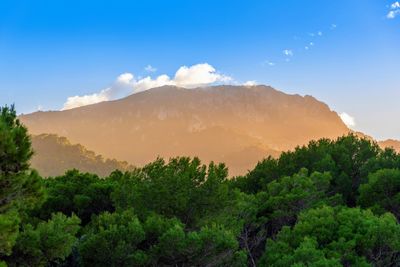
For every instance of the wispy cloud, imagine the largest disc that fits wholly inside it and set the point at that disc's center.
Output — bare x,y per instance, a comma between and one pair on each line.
150,68
288,52
394,10
304,42
269,63
316,34
126,84
309,46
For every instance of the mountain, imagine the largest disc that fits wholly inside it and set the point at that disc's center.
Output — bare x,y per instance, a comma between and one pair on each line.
238,125
53,155
389,143
395,144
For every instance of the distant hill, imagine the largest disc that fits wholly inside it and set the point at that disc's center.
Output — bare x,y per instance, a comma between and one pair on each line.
238,125
54,155
389,143
395,144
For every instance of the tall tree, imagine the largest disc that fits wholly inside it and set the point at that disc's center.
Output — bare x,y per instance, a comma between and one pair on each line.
19,186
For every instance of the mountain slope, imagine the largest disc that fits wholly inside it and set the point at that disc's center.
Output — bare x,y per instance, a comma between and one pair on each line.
234,124
390,143
53,155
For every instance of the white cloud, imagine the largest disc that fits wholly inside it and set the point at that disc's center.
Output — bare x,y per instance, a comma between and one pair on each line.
393,13
319,33
395,10
347,119
333,26
288,52
150,68
148,82
121,87
306,48
250,83
78,101
198,75
126,84
395,5
125,78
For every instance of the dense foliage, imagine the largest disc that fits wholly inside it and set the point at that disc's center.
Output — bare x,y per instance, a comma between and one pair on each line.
330,203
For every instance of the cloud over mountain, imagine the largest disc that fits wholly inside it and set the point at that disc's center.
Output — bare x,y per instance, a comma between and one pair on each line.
188,77
347,119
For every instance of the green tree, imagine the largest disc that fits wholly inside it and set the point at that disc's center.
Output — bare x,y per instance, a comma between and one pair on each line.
46,244
20,188
280,205
286,197
266,171
382,192
15,145
112,239
385,159
328,236
182,188
77,193
345,158
210,246
121,239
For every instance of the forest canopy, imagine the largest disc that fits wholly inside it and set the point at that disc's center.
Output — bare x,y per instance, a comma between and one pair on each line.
329,203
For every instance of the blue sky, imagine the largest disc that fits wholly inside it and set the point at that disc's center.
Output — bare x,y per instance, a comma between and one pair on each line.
344,52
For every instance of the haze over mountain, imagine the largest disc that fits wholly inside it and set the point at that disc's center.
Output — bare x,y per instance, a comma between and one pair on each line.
53,155
238,125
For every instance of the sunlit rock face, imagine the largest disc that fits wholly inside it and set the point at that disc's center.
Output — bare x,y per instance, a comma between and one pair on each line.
238,125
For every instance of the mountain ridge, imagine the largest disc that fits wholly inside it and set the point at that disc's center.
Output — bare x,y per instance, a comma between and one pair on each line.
214,123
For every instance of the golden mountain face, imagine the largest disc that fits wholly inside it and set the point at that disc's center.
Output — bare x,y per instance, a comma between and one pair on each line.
237,125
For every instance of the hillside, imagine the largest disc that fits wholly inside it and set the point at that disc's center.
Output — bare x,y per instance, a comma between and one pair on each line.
53,155
389,143
395,144
238,125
